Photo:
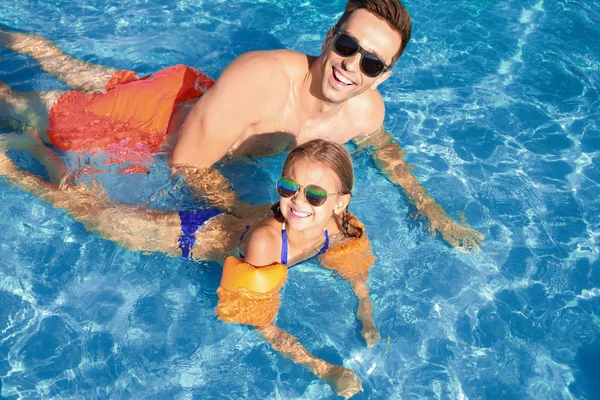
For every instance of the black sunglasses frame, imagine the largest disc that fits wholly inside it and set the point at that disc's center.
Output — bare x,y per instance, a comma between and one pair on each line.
363,54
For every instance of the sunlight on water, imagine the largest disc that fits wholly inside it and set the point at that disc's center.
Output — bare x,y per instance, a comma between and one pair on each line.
496,106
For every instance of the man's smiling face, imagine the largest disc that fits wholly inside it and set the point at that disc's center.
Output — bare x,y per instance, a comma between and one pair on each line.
342,77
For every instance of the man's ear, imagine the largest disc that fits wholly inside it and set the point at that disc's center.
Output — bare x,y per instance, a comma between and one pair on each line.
342,203
381,78
330,34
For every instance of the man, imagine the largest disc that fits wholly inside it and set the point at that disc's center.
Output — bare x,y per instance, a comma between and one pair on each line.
270,101
290,98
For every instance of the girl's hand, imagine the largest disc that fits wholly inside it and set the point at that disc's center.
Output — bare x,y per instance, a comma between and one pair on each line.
343,381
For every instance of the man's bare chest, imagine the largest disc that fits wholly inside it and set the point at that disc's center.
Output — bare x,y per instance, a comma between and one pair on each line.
283,134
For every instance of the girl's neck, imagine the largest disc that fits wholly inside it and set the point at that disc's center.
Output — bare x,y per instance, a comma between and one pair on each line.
306,239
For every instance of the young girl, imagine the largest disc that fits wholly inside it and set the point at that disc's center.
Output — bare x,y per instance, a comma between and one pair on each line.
311,218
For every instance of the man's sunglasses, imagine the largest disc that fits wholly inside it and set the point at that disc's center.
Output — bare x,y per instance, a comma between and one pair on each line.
346,46
315,195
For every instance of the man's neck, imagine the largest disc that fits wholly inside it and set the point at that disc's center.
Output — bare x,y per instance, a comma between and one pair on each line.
310,94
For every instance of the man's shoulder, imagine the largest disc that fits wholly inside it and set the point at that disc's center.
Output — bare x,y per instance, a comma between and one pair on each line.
274,63
370,105
258,73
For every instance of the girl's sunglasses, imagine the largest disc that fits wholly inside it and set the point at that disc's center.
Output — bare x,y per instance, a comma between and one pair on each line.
315,195
370,64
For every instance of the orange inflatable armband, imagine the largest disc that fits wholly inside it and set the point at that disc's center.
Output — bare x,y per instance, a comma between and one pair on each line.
353,258
250,295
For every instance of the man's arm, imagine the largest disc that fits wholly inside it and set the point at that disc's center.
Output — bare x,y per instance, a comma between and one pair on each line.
248,91
389,158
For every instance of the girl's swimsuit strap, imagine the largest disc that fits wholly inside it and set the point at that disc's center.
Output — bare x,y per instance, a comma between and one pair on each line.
284,245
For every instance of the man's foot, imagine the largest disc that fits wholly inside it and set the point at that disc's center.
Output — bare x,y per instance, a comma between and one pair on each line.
343,381
5,90
6,38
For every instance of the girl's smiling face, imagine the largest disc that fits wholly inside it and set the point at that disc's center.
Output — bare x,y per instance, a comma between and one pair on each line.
299,214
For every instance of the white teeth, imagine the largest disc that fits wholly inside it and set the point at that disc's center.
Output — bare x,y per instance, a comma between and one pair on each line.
301,214
341,78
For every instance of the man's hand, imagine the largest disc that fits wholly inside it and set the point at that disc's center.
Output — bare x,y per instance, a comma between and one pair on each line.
209,185
460,236
389,158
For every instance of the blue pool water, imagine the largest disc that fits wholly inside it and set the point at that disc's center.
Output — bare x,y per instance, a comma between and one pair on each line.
496,104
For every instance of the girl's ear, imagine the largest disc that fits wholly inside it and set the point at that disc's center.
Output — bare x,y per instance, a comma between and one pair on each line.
342,203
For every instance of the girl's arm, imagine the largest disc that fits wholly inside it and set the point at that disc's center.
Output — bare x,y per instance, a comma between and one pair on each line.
249,295
342,381
365,311
352,258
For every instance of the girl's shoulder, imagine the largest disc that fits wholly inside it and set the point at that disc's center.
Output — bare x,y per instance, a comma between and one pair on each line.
262,244
266,230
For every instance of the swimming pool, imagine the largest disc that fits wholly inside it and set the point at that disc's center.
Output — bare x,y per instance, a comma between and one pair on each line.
496,104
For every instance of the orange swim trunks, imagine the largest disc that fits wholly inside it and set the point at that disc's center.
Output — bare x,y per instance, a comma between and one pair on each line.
131,119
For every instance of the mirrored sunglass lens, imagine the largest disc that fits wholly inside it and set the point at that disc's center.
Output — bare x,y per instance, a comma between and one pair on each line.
315,195
286,187
346,46
372,65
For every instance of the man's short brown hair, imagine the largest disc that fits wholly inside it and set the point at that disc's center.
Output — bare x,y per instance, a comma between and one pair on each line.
391,11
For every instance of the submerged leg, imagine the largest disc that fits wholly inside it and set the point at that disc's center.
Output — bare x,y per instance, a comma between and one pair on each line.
133,227
31,108
77,74
49,159
27,114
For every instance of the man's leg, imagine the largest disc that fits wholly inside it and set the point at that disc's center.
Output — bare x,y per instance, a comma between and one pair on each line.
77,74
30,113
32,108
